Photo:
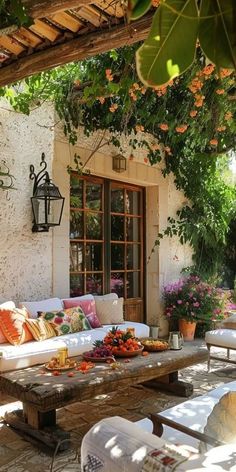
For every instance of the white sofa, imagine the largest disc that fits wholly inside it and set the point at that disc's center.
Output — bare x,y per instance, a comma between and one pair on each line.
39,352
192,413
122,446
118,445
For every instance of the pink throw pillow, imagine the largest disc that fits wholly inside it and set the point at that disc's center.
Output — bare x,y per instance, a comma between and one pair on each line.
89,309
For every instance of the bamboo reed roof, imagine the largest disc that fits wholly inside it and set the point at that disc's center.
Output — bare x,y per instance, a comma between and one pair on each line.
64,31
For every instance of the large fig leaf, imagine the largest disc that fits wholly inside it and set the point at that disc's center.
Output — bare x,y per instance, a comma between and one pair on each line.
170,47
138,8
217,32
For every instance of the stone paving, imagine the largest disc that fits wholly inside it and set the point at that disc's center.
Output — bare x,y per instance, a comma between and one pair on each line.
17,455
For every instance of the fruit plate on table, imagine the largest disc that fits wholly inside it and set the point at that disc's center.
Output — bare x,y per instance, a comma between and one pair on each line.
71,364
87,357
129,353
154,345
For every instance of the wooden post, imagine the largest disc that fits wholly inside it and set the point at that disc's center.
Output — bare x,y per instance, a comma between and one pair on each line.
37,419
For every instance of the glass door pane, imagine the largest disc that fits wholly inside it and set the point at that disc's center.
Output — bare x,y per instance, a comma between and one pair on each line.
87,235
106,231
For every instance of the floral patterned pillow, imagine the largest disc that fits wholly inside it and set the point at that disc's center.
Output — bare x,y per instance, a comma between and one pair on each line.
67,321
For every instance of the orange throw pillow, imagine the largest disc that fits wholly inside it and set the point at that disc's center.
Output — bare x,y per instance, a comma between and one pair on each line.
13,326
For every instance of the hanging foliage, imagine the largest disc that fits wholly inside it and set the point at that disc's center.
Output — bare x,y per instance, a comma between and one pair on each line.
169,49
12,15
191,122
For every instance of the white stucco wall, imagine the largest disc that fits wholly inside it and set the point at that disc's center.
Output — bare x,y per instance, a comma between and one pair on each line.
25,257
36,265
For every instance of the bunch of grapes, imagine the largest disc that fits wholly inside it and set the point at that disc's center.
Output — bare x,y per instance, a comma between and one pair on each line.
101,351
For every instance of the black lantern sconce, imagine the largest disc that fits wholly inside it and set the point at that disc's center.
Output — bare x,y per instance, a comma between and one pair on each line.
47,202
119,163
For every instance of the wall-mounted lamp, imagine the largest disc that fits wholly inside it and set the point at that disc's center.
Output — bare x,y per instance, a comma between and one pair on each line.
47,202
119,163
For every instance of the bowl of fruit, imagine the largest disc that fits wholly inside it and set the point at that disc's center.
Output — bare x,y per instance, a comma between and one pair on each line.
153,345
117,343
100,353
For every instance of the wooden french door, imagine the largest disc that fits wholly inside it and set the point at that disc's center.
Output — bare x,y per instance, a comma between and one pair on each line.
107,241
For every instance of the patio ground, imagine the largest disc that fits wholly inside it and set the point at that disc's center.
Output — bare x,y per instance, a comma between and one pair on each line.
17,455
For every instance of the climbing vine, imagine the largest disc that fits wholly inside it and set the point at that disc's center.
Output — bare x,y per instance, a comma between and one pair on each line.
191,122
12,15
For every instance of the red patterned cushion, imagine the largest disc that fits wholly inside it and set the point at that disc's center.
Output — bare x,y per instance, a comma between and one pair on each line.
89,309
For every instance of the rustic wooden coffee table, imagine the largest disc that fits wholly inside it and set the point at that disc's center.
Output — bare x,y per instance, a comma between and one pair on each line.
42,393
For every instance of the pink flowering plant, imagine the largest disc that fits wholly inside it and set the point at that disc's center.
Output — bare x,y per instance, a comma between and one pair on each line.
192,300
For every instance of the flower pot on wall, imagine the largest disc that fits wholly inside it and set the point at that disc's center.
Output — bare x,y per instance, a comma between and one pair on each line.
187,328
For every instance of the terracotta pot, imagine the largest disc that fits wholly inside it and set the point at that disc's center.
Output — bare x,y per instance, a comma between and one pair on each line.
187,328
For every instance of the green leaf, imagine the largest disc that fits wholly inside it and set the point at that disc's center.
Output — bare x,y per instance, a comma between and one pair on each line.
170,47
217,34
138,8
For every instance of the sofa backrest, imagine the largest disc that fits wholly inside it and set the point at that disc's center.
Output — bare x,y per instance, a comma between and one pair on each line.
50,304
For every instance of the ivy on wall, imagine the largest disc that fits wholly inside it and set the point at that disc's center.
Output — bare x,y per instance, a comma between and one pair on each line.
191,121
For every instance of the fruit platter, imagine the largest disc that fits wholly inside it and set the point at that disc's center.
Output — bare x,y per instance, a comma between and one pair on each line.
117,343
154,345
54,364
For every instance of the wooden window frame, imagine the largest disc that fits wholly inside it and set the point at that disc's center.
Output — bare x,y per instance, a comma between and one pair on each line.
107,185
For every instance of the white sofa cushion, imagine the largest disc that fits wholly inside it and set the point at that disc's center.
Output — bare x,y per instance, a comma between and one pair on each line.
7,306
39,352
50,304
222,337
192,413
107,296
118,445
223,389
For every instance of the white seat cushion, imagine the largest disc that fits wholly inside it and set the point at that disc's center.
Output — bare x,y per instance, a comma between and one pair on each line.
119,444
192,413
222,337
51,304
220,391
39,352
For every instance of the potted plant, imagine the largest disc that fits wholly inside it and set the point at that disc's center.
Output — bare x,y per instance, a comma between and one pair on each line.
189,300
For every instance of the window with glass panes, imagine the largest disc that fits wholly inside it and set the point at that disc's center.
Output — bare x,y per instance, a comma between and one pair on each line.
106,237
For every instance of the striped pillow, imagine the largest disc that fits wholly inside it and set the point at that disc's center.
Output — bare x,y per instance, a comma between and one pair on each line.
40,329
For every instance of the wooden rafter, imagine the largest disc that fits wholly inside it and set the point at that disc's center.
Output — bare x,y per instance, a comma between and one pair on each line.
76,49
42,8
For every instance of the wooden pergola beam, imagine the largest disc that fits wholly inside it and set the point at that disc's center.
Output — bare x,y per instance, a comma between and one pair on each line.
42,8
76,49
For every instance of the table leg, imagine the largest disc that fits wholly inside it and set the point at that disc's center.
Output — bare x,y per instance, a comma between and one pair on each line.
39,428
37,419
170,383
